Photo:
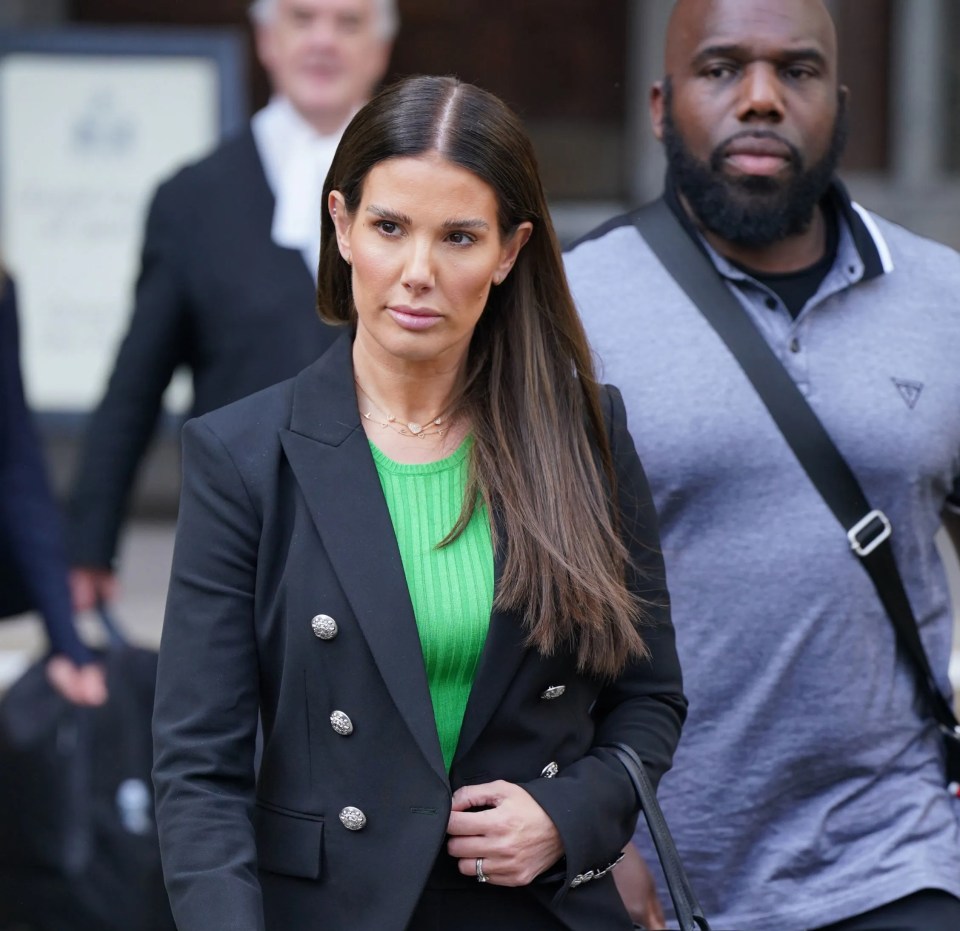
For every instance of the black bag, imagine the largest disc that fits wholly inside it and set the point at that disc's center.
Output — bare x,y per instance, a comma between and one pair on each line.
78,841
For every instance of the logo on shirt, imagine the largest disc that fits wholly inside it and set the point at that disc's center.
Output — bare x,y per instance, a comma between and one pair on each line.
909,390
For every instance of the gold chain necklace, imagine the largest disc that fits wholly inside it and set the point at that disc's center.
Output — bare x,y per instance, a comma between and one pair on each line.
404,428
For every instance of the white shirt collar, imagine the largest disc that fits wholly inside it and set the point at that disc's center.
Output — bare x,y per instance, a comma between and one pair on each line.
295,160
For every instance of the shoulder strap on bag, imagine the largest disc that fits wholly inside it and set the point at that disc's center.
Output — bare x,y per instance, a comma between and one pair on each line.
689,914
867,529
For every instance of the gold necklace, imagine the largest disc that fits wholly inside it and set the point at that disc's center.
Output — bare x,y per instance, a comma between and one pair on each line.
404,428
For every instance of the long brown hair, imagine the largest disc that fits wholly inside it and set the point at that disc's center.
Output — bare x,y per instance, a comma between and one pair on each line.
530,390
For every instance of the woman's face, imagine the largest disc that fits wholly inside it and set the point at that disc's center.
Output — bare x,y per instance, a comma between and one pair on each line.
425,249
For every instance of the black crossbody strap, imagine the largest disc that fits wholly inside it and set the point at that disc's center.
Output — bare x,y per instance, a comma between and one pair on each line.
867,529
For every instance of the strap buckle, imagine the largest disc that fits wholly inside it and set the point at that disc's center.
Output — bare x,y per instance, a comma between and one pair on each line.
866,548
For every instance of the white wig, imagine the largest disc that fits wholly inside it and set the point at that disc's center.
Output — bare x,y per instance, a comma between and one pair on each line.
262,11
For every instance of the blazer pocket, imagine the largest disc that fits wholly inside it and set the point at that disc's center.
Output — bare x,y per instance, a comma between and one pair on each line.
288,842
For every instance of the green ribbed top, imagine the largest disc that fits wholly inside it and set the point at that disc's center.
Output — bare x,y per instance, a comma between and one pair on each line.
451,587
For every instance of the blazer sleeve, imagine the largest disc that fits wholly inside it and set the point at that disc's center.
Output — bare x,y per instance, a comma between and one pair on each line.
155,344
34,572
592,802
207,698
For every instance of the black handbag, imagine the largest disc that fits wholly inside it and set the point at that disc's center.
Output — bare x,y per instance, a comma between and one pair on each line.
687,909
78,840
868,529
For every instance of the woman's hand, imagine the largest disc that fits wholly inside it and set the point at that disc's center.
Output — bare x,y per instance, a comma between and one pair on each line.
82,685
513,835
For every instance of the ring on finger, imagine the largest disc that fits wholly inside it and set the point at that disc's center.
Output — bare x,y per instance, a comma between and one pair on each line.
481,876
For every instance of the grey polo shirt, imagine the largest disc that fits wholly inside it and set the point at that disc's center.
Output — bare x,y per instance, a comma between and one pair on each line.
808,784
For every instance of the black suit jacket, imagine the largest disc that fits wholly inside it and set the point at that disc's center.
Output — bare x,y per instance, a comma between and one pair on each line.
216,295
282,519
33,567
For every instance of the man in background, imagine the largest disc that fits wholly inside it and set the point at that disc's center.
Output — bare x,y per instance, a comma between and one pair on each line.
808,791
226,286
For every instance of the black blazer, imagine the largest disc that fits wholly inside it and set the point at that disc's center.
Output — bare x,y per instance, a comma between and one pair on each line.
33,567
283,519
215,295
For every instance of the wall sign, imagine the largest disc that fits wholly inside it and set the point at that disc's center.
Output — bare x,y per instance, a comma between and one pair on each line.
90,123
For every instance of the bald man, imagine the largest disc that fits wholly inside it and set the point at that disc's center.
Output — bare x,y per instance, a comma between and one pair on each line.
808,791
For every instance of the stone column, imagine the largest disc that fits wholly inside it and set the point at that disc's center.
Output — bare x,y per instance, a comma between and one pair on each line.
644,162
917,120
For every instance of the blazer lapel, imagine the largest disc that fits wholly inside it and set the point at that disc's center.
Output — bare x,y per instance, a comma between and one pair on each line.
330,458
503,653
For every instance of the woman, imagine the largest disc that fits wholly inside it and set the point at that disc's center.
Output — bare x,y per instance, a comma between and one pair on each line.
33,568
411,561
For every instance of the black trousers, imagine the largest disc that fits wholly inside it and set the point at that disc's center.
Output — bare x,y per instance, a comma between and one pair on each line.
486,908
929,910
453,902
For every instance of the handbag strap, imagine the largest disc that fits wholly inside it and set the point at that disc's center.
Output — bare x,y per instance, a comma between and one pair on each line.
689,914
116,639
867,529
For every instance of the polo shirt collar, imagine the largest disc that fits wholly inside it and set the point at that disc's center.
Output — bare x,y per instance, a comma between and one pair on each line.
867,240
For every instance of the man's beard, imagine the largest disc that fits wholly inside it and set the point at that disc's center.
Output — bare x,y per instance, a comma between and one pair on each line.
750,210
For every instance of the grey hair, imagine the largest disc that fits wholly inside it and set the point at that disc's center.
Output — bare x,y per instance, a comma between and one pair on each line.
388,19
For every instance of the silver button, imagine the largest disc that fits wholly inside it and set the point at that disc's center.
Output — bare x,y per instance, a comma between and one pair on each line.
341,723
550,770
581,878
553,691
352,818
324,626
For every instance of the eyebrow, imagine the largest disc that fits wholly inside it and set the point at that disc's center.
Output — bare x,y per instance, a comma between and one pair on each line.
384,213
733,50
